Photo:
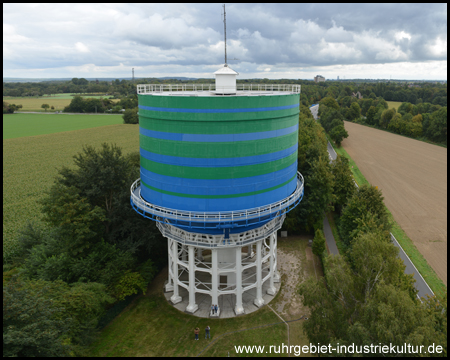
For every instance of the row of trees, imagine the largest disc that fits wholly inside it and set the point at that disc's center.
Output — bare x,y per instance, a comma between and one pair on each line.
91,251
91,105
10,108
425,121
367,298
327,185
434,93
422,121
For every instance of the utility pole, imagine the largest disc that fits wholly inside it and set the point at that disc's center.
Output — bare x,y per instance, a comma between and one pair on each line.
132,72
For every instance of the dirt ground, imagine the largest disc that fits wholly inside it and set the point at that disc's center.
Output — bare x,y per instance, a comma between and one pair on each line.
412,176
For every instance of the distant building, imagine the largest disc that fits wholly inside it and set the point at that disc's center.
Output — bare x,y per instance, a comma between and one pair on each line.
319,78
357,95
338,77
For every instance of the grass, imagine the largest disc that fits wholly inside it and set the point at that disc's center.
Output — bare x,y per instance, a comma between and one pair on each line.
20,125
406,243
394,104
30,165
59,101
152,327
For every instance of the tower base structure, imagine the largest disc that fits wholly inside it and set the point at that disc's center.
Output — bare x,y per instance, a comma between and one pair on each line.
238,272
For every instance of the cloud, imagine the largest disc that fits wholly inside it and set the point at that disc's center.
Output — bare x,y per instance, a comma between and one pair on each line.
290,39
81,47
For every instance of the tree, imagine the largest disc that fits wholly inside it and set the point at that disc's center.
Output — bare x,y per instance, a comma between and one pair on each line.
99,176
318,245
343,186
338,134
437,129
318,194
76,105
130,116
45,106
386,117
329,102
354,112
32,325
366,199
371,115
78,221
130,283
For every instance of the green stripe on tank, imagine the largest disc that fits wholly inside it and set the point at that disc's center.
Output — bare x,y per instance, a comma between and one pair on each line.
212,150
216,127
244,116
231,172
217,196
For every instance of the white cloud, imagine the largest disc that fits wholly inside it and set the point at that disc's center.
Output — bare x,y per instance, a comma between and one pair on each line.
402,35
81,47
439,48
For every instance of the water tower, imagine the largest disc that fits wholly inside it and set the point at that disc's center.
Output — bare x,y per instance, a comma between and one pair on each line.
218,175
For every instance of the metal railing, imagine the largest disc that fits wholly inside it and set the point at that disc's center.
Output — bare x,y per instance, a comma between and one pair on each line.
201,240
214,217
247,88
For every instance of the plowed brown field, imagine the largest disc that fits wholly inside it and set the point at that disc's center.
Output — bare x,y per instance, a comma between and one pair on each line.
412,176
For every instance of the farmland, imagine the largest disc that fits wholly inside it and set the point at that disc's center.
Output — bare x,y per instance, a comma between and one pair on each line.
413,178
30,165
20,125
59,101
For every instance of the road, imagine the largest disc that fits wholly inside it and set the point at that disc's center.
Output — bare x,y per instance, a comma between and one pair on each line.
421,284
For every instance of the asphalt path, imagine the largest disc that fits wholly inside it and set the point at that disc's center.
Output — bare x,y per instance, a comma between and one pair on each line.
421,285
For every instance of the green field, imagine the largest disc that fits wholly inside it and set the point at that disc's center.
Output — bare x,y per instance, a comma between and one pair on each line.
30,165
20,125
394,104
406,243
59,101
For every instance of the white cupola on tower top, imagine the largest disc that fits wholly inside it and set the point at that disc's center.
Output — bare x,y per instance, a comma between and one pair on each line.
225,80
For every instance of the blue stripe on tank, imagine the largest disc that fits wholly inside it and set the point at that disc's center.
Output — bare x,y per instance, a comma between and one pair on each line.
218,186
238,203
218,162
274,108
219,137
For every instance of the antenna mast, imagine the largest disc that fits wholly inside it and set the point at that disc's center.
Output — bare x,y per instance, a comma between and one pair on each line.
225,32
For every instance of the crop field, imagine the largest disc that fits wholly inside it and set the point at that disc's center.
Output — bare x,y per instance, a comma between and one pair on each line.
394,104
30,165
59,101
412,176
20,125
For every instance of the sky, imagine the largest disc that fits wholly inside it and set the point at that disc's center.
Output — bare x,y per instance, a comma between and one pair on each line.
274,41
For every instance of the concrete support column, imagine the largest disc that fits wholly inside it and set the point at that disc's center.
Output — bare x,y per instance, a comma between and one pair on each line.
250,250
175,298
183,253
239,309
259,301
169,285
192,307
199,254
214,278
276,275
271,290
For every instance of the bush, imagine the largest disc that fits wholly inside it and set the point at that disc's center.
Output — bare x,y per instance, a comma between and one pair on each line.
130,116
